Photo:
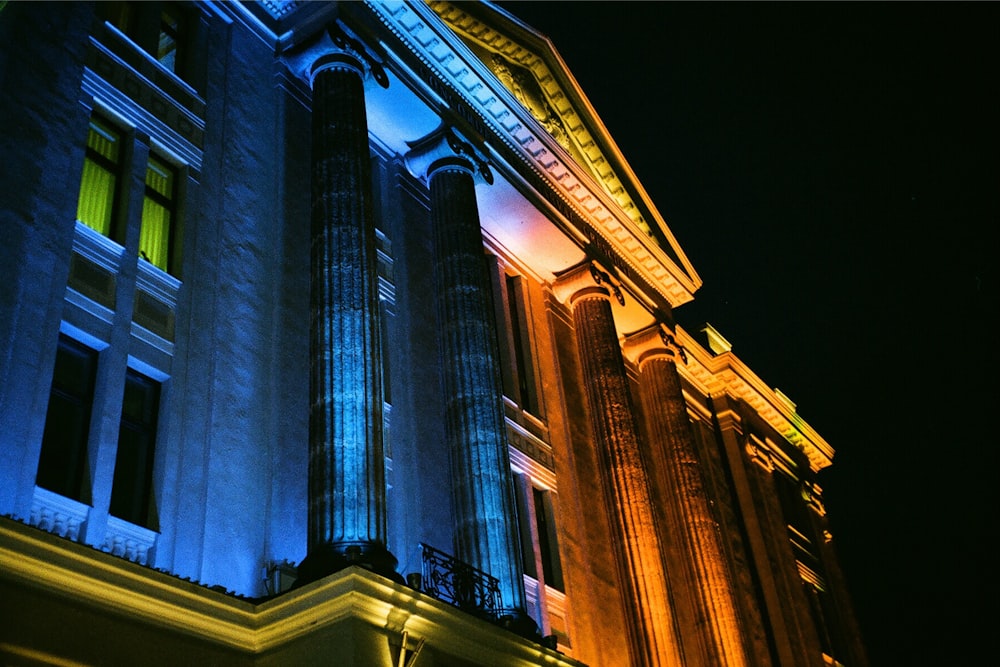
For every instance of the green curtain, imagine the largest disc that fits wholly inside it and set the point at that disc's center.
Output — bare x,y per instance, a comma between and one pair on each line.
154,237
98,184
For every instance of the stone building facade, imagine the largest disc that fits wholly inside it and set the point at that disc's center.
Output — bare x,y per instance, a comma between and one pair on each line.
342,333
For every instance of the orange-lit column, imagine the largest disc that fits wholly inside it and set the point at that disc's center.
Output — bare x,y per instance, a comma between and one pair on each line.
690,519
635,540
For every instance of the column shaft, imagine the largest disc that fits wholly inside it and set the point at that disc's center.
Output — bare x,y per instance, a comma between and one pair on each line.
690,515
636,540
347,516
486,529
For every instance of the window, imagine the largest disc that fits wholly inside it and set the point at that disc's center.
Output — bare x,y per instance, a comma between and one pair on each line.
158,212
67,423
156,28
512,312
544,590
546,530
104,167
536,519
166,48
527,395
121,15
133,477
99,185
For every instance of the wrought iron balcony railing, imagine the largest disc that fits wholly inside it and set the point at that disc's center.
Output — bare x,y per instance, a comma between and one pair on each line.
455,582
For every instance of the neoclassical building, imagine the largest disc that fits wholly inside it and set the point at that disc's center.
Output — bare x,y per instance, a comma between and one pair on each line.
342,333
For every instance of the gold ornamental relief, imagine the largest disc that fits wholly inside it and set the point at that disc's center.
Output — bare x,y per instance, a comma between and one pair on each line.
525,88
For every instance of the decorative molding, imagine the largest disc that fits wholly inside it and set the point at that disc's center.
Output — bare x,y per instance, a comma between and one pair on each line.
57,514
278,9
653,342
127,94
725,373
128,541
95,581
586,278
436,46
537,462
759,453
334,47
446,146
530,80
602,278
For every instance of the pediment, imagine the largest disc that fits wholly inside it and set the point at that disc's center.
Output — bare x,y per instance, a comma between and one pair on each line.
528,65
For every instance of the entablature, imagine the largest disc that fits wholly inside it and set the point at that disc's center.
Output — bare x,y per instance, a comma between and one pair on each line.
587,212
725,373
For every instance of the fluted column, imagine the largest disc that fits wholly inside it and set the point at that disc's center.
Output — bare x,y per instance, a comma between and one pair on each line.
635,539
691,522
347,513
486,534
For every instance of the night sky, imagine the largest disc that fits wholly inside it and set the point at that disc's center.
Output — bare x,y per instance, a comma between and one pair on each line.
831,171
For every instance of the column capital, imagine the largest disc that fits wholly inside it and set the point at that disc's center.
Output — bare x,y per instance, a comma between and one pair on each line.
653,342
587,279
334,48
446,148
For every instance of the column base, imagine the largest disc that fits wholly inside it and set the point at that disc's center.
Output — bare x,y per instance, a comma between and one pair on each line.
326,559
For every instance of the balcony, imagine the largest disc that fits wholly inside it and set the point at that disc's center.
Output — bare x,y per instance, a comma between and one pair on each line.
458,583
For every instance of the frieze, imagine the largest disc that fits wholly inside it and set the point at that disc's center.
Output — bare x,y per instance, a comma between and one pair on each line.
537,451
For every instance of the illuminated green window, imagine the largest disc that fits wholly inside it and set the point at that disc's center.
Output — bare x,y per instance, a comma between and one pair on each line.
101,176
157,213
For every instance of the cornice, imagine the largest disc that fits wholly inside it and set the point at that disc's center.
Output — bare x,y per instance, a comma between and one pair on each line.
567,111
95,580
725,373
435,44
569,121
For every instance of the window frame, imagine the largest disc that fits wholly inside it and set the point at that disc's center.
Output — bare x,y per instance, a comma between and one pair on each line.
131,488
168,203
73,484
96,123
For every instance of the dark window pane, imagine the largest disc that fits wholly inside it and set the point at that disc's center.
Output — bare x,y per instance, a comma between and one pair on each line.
136,439
120,15
67,421
551,567
524,526
166,51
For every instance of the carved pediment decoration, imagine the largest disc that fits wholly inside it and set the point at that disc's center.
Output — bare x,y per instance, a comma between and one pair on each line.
528,66
522,83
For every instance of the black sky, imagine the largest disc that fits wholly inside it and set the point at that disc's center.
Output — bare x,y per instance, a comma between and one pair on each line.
831,170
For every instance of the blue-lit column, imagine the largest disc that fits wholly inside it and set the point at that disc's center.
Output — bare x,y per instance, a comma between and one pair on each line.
690,520
486,534
635,539
347,511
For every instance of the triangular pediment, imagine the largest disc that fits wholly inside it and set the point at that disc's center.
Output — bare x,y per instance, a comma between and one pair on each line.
528,65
